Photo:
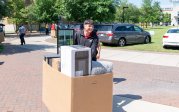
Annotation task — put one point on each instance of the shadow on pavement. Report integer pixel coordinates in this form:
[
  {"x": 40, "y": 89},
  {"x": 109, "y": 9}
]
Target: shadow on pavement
[
  {"x": 120, "y": 101},
  {"x": 1, "y": 63},
  {"x": 118, "y": 80},
  {"x": 172, "y": 47},
  {"x": 134, "y": 44},
  {"x": 27, "y": 35},
  {"x": 15, "y": 49}
]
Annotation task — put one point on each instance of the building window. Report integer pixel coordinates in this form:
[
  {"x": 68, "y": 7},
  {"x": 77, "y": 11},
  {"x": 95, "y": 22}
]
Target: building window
[{"x": 178, "y": 14}]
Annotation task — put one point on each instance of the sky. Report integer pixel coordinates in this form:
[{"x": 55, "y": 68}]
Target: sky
[{"x": 163, "y": 3}]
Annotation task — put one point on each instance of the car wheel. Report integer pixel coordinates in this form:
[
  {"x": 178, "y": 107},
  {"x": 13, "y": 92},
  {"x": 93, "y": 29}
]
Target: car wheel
[
  {"x": 122, "y": 42},
  {"x": 147, "y": 40}
]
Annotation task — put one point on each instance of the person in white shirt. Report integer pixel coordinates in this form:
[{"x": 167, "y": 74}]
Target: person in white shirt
[{"x": 22, "y": 31}]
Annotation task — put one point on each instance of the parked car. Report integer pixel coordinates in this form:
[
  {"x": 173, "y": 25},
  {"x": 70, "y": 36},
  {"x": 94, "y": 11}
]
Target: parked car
[
  {"x": 122, "y": 34},
  {"x": 171, "y": 38},
  {"x": 77, "y": 27}
]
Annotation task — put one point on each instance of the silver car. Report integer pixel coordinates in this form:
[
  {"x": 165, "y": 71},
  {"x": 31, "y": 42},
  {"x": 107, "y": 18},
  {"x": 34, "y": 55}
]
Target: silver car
[{"x": 122, "y": 34}]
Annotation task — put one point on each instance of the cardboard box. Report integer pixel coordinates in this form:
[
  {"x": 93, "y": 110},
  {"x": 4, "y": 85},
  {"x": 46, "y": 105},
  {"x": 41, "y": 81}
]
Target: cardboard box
[
  {"x": 62, "y": 93},
  {"x": 56, "y": 63}
]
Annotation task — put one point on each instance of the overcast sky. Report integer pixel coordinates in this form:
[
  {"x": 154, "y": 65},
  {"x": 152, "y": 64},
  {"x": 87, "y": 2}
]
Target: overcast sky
[{"x": 163, "y": 3}]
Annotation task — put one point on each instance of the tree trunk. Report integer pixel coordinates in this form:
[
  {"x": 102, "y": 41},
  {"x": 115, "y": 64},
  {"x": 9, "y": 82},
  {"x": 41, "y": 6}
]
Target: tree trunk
[
  {"x": 30, "y": 25},
  {"x": 39, "y": 28},
  {"x": 146, "y": 24}
]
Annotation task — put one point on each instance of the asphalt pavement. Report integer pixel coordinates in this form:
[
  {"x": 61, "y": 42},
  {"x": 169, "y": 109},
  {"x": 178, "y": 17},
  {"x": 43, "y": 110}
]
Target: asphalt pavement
[
  {"x": 138, "y": 83},
  {"x": 163, "y": 59}
]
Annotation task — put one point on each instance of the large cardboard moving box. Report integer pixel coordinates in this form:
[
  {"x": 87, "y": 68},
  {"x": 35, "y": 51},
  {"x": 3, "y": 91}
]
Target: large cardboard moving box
[{"x": 62, "y": 93}]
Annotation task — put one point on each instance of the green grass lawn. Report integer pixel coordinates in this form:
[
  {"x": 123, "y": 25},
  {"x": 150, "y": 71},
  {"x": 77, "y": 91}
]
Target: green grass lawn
[
  {"x": 156, "y": 44},
  {"x": 1, "y": 48}
]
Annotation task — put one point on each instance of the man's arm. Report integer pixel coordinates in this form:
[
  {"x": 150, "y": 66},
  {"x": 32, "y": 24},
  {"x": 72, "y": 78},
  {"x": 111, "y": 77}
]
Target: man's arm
[
  {"x": 75, "y": 40},
  {"x": 99, "y": 50},
  {"x": 94, "y": 48}
]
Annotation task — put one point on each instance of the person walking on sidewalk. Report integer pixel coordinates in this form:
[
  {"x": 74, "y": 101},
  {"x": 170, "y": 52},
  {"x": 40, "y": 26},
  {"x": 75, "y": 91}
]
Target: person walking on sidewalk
[
  {"x": 89, "y": 38},
  {"x": 53, "y": 33},
  {"x": 47, "y": 29},
  {"x": 22, "y": 31}
]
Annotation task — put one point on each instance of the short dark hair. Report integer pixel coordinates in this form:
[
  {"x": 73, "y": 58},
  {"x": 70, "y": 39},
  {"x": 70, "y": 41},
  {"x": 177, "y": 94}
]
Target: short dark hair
[{"x": 88, "y": 21}]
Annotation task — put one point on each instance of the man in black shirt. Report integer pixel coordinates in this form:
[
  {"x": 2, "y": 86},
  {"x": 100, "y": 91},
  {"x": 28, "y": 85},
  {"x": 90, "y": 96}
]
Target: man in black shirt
[{"x": 88, "y": 37}]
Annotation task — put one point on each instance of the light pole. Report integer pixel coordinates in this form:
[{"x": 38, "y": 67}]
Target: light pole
[
  {"x": 123, "y": 13},
  {"x": 58, "y": 38}
]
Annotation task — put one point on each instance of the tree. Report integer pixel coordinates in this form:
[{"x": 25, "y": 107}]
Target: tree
[
  {"x": 119, "y": 9},
  {"x": 157, "y": 13},
  {"x": 98, "y": 10},
  {"x": 45, "y": 10},
  {"x": 166, "y": 18},
  {"x": 150, "y": 12},
  {"x": 28, "y": 13},
  {"x": 147, "y": 11},
  {"x": 16, "y": 7},
  {"x": 131, "y": 13},
  {"x": 3, "y": 8}
]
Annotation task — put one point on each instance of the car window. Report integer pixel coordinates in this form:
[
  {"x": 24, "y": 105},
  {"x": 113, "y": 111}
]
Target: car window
[
  {"x": 121, "y": 28},
  {"x": 129, "y": 28},
  {"x": 76, "y": 27},
  {"x": 173, "y": 31},
  {"x": 103, "y": 27},
  {"x": 80, "y": 26},
  {"x": 137, "y": 29}
]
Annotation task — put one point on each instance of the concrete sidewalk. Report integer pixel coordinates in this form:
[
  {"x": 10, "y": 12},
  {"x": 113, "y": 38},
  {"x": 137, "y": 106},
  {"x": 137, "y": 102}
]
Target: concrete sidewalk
[
  {"x": 123, "y": 104},
  {"x": 120, "y": 104},
  {"x": 163, "y": 59}
]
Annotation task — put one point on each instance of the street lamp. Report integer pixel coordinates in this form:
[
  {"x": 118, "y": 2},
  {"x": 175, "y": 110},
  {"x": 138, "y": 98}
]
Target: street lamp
[
  {"x": 123, "y": 13},
  {"x": 58, "y": 27}
]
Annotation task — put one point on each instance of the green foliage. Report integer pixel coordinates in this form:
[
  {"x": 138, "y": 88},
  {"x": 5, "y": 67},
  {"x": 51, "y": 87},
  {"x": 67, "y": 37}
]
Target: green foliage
[
  {"x": 16, "y": 7},
  {"x": 98, "y": 10},
  {"x": 131, "y": 14},
  {"x": 28, "y": 14},
  {"x": 3, "y": 8},
  {"x": 166, "y": 18},
  {"x": 48, "y": 11},
  {"x": 119, "y": 5},
  {"x": 157, "y": 13},
  {"x": 60, "y": 8},
  {"x": 146, "y": 11},
  {"x": 45, "y": 10},
  {"x": 151, "y": 12}
]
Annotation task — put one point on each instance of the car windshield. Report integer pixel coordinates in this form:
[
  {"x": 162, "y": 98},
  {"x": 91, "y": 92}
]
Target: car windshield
[
  {"x": 173, "y": 31},
  {"x": 103, "y": 27}
]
